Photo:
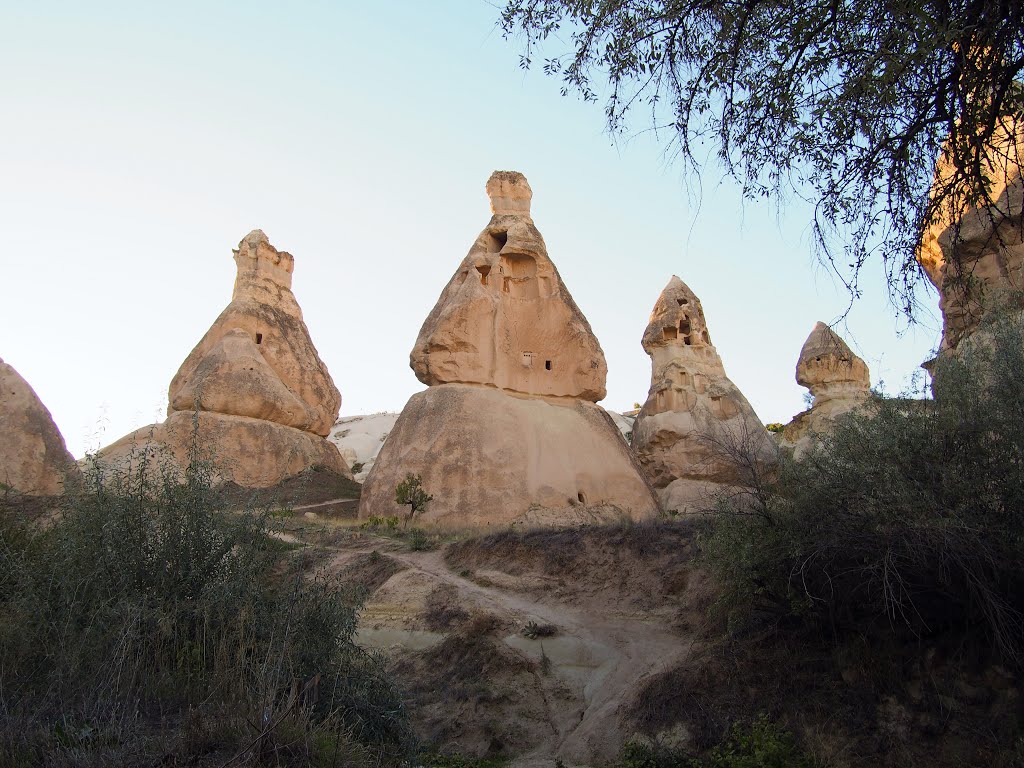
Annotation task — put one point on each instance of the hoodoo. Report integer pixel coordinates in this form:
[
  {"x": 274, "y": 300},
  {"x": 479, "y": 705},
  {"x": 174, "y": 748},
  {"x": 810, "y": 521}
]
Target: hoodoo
[
  {"x": 33, "y": 458},
  {"x": 838, "y": 380},
  {"x": 695, "y": 418},
  {"x": 508, "y": 430},
  {"x": 254, "y": 388}
]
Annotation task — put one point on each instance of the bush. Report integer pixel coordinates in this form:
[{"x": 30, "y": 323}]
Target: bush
[
  {"x": 145, "y": 608},
  {"x": 910, "y": 514},
  {"x": 763, "y": 745}
]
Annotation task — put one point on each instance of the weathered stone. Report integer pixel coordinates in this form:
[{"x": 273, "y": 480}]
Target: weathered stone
[
  {"x": 975, "y": 257},
  {"x": 507, "y": 432},
  {"x": 258, "y": 359},
  {"x": 838, "y": 380},
  {"x": 252, "y": 453},
  {"x": 493, "y": 459},
  {"x": 33, "y": 457},
  {"x": 695, "y": 418},
  {"x": 505, "y": 319},
  {"x": 253, "y": 390}
]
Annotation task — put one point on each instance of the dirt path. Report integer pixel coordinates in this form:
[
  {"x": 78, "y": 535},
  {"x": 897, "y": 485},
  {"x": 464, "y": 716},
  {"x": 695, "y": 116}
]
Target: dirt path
[{"x": 601, "y": 658}]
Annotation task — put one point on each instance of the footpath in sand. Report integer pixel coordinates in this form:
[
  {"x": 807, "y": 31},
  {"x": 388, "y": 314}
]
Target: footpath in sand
[{"x": 533, "y": 645}]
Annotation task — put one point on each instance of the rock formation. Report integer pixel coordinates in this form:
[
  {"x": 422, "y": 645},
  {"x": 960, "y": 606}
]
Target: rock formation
[
  {"x": 508, "y": 430},
  {"x": 694, "y": 416},
  {"x": 254, "y": 386},
  {"x": 33, "y": 457},
  {"x": 975, "y": 257},
  {"x": 838, "y": 380}
]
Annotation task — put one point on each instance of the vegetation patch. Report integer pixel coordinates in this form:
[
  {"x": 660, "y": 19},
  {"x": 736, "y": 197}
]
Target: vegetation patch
[{"x": 146, "y": 622}]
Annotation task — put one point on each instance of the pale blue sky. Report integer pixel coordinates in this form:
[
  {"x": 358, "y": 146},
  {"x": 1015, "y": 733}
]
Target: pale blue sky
[{"x": 142, "y": 141}]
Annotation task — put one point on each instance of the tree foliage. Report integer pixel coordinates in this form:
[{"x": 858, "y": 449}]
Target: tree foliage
[{"x": 846, "y": 103}]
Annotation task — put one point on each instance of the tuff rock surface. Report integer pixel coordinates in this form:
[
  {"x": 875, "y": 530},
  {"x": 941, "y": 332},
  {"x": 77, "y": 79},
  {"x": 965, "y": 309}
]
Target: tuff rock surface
[
  {"x": 33, "y": 457},
  {"x": 254, "y": 386},
  {"x": 505, "y": 319},
  {"x": 695, "y": 417},
  {"x": 974, "y": 255},
  {"x": 507, "y": 431},
  {"x": 839, "y": 381}
]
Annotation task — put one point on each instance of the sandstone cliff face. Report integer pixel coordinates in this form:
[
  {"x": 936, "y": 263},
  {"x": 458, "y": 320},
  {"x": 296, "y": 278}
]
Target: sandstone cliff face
[
  {"x": 507, "y": 432},
  {"x": 693, "y": 411},
  {"x": 839, "y": 381},
  {"x": 254, "y": 387},
  {"x": 975, "y": 257},
  {"x": 505, "y": 319},
  {"x": 33, "y": 457}
]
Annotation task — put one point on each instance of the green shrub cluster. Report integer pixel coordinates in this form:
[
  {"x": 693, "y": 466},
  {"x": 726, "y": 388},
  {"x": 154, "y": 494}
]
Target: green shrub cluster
[
  {"x": 910, "y": 513},
  {"x": 764, "y": 744},
  {"x": 146, "y": 620}
]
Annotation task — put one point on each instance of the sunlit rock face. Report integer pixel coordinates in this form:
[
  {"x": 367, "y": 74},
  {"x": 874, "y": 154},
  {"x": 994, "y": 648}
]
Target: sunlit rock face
[
  {"x": 505, "y": 319},
  {"x": 695, "y": 419},
  {"x": 33, "y": 457},
  {"x": 975, "y": 256},
  {"x": 507, "y": 431},
  {"x": 254, "y": 389},
  {"x": 838, "y": 380}
]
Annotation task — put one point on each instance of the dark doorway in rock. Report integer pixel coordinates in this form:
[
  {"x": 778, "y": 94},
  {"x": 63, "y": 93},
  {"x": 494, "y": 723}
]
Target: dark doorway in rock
[
  {"x": 582, "y": 497},
  {"x": 547, "y": 365},
  {"x": 259, "y": 338}
]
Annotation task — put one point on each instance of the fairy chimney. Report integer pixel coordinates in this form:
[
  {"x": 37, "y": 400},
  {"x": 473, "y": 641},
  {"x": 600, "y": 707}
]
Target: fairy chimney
[
  {"x": 838, "y": 380},
  {"x": 695, "y": 418},
  {"x": 254, "y": 385},
  {"x": 507, "y": 431}
]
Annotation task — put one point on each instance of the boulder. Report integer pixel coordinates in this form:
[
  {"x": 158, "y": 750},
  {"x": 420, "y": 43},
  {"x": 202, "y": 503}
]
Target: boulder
[
  {"x": 695, "y": 421},
  {"x": 839, "y": 381},
  {"x": 33, "y": 458},
  {"x": 493, "y": 459},
  {"x": 253, "y": 395},
  {"x": 507, "y": 431}
]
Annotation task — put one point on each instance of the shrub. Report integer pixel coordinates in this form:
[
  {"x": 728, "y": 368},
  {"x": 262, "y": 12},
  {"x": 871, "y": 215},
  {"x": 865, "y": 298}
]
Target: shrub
[
  {"x": 764, "y": 744},
  {"x": 410, "y": 491},
  {"x": 146, "y": 606},
  {"x": 910, "y": 513}
]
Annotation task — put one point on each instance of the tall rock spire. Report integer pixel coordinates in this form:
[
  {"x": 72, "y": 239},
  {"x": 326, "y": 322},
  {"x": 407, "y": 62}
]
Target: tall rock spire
[
  {"x": 694, "y": 415},
  {"x": 508, "y": 431},
  {"x": 254, "y": 386}
]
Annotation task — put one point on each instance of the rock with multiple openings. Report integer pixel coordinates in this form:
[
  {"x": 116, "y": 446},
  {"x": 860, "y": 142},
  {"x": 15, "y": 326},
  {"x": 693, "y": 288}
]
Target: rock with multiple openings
[
  {"x": 254, "y": 390},
  {"x": 695, "y": 424},
  {"x": 508, "y": 430},
  {"x": 33, "y": 458},
  {"x": 974, "y": 255},
  {"x": 838, "y": 380}
]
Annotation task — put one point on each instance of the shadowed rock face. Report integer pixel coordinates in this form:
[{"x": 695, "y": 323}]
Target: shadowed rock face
[
  {"x": 33, "y": 457},
  {"x": 975, "y": 257},
  {"x": 839, "y": 381},
  {"x": 505, "y": 319},
  {"x": 254, "y": 387},
  {"x": 694, "y": 415},
  {"x": 507, "y": 432}
]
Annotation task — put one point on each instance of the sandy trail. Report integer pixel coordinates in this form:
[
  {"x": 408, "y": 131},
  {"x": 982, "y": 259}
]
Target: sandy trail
[{"x": 602, "y": 658}]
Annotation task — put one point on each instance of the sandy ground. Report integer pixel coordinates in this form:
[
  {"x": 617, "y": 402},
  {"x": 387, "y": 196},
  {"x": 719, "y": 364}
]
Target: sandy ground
[{"x": 536, "y": 651}]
